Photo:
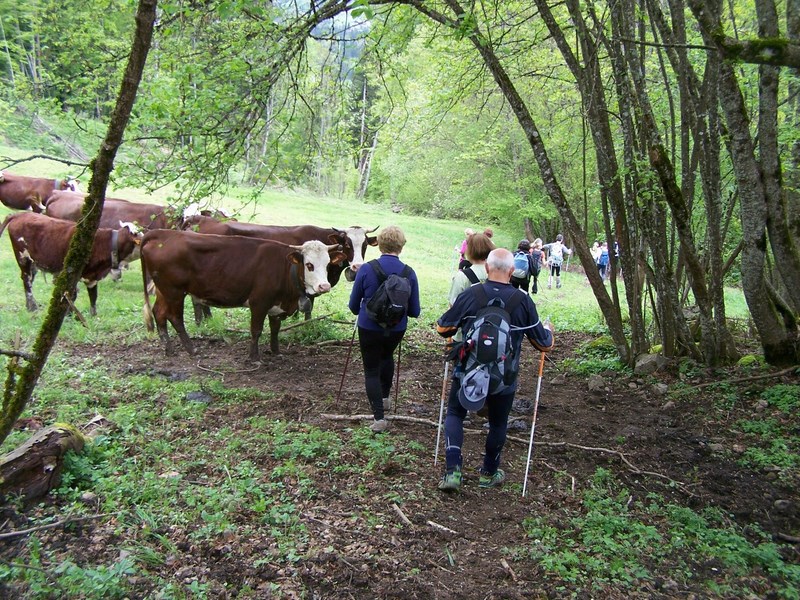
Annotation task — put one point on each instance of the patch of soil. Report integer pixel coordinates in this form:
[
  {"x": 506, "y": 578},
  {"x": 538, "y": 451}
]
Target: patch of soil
[{"x": 455, "y": 546}]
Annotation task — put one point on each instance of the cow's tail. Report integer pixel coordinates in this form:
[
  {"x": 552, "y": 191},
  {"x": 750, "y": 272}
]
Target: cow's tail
[
  {"x": 5, "y": 223},
  {"x": 147, "y": 311}
]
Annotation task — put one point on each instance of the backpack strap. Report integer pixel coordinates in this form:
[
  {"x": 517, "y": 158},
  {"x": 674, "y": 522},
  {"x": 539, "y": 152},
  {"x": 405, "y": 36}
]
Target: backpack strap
[
  {"x": 470, "y": 274},
  {"x": 480, "y": 295},
  {"x": 515, "y": 300},
  {"x": 376, "y": 266}
]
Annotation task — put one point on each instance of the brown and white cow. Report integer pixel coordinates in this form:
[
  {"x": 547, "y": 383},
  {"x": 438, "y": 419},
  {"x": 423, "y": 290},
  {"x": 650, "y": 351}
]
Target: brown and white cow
[
  {"x": 21, "y": 192},
  {"x": 229, "y": 271},
  {"x": 354, "y": 242},
  {"x": 69, "y": 205},
  {"x": 41, "y": 242}
]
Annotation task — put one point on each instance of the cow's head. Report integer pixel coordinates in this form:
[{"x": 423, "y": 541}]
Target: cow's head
[
  {"x": 72, "y": 184},
  {"x": 360, "y": 239},
  {"x": 314, "y": 257}
]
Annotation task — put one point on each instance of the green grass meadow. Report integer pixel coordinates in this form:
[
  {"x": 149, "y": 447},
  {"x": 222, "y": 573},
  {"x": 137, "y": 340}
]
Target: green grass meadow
[{"x": 430, "y": 250}]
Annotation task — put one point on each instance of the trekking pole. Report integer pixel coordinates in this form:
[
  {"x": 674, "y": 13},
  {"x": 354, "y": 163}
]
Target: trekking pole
[
  {"x": 346, "y": 362},
  {"x": 397, "y": 376},
  {"x": 533, "y": 423},
  {"x": 441, "y": 411}
]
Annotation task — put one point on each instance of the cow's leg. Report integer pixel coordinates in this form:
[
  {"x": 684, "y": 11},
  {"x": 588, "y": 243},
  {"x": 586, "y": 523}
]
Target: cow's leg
[
  {"x": 274, "y": 329},
  {"x": 257, "y": 317},
  {"x": 91, "y": 289},
  {"x": 176, "y": 318},
  {"x": 201, "y": 311},
  {"x": 160, "y": 310},
  {"x": 306, "y": 305},
  {"x": 27, "y": 272}
]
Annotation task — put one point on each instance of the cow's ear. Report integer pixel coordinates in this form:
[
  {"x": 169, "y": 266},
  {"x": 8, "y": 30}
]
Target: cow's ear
[
  {"x": 372, "y": 240},
  {"x": 296, "y": 257},
  {"x": 337, "y": 257},
  {"x": 335, "y": 238}
]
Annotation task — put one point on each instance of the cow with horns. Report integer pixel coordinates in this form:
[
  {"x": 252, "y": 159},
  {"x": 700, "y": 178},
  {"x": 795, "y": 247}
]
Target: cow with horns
[
  {"x": 21, "y": 192},
  {"x": 41, "y": 242},
  {"x": 354, "y": 241},
  {"x": 230, "y": 271}
]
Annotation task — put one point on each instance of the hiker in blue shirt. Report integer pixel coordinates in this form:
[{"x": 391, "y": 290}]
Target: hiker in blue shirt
[
  {"x": 525, "y": 321},
  {"x": 376, "y": 343}
]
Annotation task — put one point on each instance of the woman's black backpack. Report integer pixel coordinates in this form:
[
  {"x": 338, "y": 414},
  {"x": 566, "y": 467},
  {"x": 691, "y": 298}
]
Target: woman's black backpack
[{"x": 389, "y": 304}]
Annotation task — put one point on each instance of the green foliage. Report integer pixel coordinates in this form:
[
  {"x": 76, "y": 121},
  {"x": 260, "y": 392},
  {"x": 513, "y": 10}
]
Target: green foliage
[
  {"x": 595, "y": 356},
  {"x": 616, "y": 539},
  {"x": 773, "y": 440},
  {"x": 46, "y": 576}
]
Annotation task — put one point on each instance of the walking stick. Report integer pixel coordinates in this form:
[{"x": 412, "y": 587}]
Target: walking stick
[
  {"x": 441, "y": 412},
  {"x": 397, "y": 376},
  {"x": 346, "y": 362},
  {"x": 533, "y": 424}
]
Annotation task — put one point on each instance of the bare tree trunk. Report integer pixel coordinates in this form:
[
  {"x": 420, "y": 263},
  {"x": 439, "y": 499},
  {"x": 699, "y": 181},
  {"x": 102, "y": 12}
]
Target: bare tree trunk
[
  {"x": 793, "y": 124},
  {"x": 21, "y": 382},
  {"x": 366, "y": 167},
  {"x": 776, "y": 325}
]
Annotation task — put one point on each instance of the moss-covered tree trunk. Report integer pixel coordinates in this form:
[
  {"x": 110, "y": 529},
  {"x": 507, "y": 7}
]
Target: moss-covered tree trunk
[{"x": 22, "y": 380}]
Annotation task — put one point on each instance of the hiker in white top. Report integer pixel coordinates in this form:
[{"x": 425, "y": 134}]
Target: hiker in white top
[{"x": 556, "y": 251}]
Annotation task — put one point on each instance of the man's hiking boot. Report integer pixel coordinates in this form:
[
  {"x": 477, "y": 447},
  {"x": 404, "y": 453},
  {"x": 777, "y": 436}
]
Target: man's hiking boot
[
  {"x": 451, "y": 482},
  {"x": 379, "y": 425},
  {"x": 489, "y": 481}
]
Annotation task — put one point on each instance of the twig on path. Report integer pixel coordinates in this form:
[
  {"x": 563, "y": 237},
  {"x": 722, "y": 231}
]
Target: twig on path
[
  {"x": 793, "y": 539},
  {"x": 401, "y": 514},
  {"x": 306, "y": 322},
  {"x": 739, "y": 380},
  {"x": 441, "y": 527},
  {"x": 332, "y": 417},
  {"x": 508, "y": 568},
  {"x": 223, "y": 373},
  {"x": 683, "y": 487},
  {"x": 560, "y": 472},
  {"x": 21, "y": 532}
]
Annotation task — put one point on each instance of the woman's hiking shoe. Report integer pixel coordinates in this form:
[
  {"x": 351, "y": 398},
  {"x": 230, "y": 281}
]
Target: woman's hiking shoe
[
  {"x": 451, "y": 482},
  {"x": 489, "y": 481},
  {"x": 379, "y": 425}
]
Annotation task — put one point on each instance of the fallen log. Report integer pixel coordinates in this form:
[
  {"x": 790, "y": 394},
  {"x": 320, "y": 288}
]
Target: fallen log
[{"x": 34, "y": 468}]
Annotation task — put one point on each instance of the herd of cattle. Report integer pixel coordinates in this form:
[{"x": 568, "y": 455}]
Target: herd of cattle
[{"x": 273, "y": 270}]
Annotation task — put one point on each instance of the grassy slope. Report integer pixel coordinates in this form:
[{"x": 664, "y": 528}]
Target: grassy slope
[{"x": 430, "y": 250}]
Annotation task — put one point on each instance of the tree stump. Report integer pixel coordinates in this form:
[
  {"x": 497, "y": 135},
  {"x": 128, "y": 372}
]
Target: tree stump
[{"x": 34, "y": 468}]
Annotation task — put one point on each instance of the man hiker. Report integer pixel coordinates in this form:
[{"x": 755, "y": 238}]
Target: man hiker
[
  {"x": 524, "y": 322},
  {"x": 556, "y": 251}
]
